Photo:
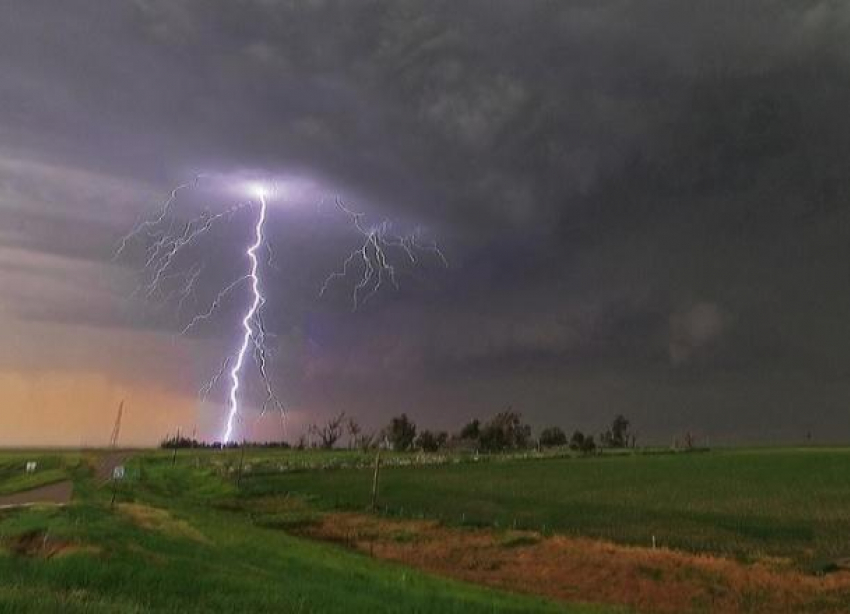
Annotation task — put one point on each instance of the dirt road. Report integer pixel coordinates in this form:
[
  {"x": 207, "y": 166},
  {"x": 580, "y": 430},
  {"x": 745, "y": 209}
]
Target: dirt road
[
  {"x": 60, "y": 493},
  {"x": 57, "y": 494},
  {"x": 107, "y": 462}
]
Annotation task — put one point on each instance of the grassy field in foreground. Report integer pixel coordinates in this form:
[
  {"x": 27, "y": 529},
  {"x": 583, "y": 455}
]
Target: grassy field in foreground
[
  {"x": 170, "y": 545},
  {"x": 189, "y": 536},
  {"x": 791, "y": 503}
]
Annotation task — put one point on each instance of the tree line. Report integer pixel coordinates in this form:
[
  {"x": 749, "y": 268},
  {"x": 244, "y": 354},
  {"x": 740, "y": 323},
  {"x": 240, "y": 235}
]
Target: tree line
[{"x": 502, "y": 432}]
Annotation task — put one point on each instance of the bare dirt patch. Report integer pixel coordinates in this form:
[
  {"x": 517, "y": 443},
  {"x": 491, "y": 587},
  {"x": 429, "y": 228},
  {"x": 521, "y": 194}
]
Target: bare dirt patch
[
  {"x": 40, "y": 544},
  {"x": 578, "y": 569},
  {"x": 58, "y": 493},
  {"x": 161, "y": 521}
]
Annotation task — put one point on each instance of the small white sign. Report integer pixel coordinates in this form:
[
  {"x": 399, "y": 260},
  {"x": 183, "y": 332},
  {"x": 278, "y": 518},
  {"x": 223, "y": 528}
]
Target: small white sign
[
  {"x": 118, "y": 472},
  {"x": 31, "y": 466}
]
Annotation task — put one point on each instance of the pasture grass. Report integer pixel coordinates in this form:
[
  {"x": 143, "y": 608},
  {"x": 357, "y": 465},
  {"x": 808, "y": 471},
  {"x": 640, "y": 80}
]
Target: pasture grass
[
  {"x": 745, "y": 503},
  {"x": 187, "y": 534},
  {"x": 176, "y": 540}
]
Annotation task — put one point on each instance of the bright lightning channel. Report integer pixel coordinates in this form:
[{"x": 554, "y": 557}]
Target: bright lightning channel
[
  {"x": 171, "y": 280},
  {"x": 257, "y": 302}
]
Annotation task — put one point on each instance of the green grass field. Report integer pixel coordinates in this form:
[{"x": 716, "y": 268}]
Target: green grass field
[
  {"x": 198, "y": 555},
  {"x": 197, "y": 539},
  {"x": 745, "y": 503}
]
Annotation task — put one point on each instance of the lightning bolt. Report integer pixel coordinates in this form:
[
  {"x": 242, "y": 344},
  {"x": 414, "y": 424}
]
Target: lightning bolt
[
  {"x": 170, "y": 282},
  {"x": 172, "y": 277},
  {"x": 256, "y": 302}
]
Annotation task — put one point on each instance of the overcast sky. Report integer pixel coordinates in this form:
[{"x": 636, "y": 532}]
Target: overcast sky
[{"x": 644, "y": 205}]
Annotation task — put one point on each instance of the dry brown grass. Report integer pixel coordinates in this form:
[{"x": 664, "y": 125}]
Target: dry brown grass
[
  {"x": 577, "y": 569},
  {"x": 39, "y": 544},
  {"x": 159, "y": 520}
]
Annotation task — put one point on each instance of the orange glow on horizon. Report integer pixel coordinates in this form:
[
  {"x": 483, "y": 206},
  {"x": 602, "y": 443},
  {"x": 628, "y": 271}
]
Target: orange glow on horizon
[{"x": 78, "y": 409}]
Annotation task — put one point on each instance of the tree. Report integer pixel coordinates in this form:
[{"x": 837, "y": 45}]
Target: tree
[
  {"x": 588, "y": 445},
  {"x": 442, "y": 439},
  {"x": 179, "y": 441},
  {"x": 577, "y": 440},
  {"x": 431, "y": 442},
  {"x": 471, "y": 430},
  {"x": 330, "y": 432},
  {"x": 505, "y": 431},
  {"x": 401, "y": 432},
  {"x": 582, "y": 443},
  {"x": 618, "y": 435},
  {"x": 552, "y": 436},
  {"x": 365, "y": 441},
  {"x": 353, "y": 432}
]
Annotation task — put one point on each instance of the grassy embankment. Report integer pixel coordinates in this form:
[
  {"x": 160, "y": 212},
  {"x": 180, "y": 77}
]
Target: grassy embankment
[{"x": 178, "y": 541}]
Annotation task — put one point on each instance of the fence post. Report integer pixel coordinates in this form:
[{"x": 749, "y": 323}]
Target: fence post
[
  {"x": 375, "y": 480},
  {"x": 176, "y": 442},
  {"x": 241, "y": 460}
]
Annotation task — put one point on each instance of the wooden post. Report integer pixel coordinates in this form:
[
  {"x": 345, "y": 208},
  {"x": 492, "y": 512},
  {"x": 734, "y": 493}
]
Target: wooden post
[
  {"x": 375, "y": 480},
  {"x": 114, "y": 489},
  {"x": 174, "y": 454},
  {"x": 241, "y": 461}
]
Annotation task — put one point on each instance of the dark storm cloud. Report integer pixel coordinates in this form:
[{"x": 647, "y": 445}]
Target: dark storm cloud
[{"x": 641, "y": 201}]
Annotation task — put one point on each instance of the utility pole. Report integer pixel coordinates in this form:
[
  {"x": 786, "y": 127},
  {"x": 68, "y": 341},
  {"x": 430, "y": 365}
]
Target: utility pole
[{"x": 116, "y": 430}]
